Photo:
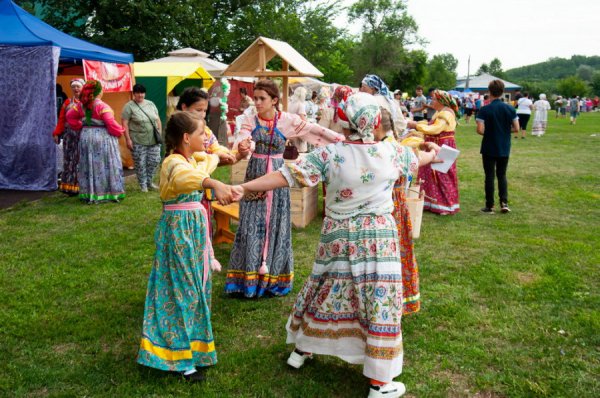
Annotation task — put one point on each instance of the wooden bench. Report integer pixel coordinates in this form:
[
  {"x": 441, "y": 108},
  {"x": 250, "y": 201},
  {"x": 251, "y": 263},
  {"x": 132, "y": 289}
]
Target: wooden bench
[{"x": 223, "y": 216}]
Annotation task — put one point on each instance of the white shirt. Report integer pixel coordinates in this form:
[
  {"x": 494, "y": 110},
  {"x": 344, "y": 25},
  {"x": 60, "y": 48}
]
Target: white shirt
[{"x": 524, "y": 106}]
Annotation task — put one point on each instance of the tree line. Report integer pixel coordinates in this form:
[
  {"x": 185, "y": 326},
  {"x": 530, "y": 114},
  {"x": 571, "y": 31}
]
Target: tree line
[{"x": 224, "y": 28}]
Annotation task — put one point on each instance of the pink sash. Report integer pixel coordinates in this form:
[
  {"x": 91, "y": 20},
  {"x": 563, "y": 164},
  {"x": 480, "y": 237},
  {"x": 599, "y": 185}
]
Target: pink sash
[
  {"x": 209, "y": 255},
  {"x": 269, "y": 202}
]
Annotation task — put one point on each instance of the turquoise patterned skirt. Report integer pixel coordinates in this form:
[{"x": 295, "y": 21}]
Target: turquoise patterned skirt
[{"x": 177, "y": 332}]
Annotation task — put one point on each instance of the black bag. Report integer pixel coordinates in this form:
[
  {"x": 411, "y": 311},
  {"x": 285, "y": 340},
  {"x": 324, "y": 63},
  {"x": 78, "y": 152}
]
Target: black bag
[
  {"x": 155, "y": 132},
  {"x": 290, "y": 152}
]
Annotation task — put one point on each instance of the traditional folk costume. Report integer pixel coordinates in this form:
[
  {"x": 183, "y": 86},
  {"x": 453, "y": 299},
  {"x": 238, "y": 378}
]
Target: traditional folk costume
[
  {"x": 441, "y": 189},
  {"x": 351, "y": 305},
  {"x": 411, "y": 297},
  {"x": 100, "y": 172},
  {"x": 540, "y": 120},
  {"x": 264, "y": 235},
  {"x": 177, "y": 332},
  {"x": 70, "y": 139}
]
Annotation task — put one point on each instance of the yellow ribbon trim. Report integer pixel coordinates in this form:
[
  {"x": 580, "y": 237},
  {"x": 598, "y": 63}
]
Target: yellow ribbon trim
[{"x": 170, "y": 355}]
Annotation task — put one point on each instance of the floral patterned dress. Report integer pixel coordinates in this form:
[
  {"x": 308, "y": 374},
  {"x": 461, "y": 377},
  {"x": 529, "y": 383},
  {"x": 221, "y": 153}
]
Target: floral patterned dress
[
  {"x": 351, "y": 305},
  {"x": 441, "y": 189},
  {"x": 177, "y": 331}
]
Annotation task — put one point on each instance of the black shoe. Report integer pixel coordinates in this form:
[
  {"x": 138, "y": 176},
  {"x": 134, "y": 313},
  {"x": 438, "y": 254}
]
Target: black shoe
[
  {"x": 487, "y": 210},
  {"x": 504, "y": 208},
  {"x": 194, "y": 377}
]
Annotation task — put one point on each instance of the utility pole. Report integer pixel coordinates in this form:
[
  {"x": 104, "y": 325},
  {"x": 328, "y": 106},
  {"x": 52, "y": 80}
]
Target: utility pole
[{"x": 468, "y": 72}]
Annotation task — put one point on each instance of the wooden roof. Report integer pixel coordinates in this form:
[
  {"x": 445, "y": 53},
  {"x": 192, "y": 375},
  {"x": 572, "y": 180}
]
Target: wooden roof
[{"x": 253, "y": 61}]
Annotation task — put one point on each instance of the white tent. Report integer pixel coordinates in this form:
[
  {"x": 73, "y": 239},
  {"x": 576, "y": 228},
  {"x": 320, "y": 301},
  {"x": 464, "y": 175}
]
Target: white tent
[{"x": 212, "y": 66}]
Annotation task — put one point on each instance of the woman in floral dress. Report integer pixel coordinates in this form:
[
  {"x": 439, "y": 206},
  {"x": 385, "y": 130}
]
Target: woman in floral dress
[{"x": 351, "y": 305}]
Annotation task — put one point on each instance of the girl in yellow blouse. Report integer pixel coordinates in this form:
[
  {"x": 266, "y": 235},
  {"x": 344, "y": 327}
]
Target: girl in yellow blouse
[
  {"x": 177, "y": 332},
  {"x": 441, "y": 189}
]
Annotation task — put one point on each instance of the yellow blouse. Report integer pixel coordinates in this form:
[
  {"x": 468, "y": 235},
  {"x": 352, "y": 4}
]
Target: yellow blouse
[
  {"x": 442, "y": 121},
  {"x": 178, "y": 175}
]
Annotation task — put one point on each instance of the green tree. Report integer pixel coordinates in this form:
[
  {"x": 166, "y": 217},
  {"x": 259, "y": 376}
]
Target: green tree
[
  {"x": 571, "y": 86},
  {"x": 412, "y": 73},
  {"x": 596, "y": 83},
  {"x": 585, "y": 72},
  {"x": 441, "y": 71},
  {"x": 221, "y": 28},
  {"x": 387, "y": 30},
  {"x": 484, "y": 68}
]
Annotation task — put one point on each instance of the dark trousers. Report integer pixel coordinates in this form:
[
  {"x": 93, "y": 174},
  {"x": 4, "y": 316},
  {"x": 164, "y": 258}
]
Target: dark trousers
[{"x": 495, "y": 165}]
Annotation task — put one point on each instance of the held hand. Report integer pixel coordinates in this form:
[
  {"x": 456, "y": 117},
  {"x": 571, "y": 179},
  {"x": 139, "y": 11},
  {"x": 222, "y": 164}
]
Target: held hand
[
  {"x": 56, "y": 139},
  {"x": 223, "y": 193},
  {"x": 238, "y": 192},
  {"x": 226, "y": 158},
  {"x": 244, "y": 147}
]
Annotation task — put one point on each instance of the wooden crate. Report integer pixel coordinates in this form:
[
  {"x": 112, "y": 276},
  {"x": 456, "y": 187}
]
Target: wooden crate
[{"x": 304, "y": 200}]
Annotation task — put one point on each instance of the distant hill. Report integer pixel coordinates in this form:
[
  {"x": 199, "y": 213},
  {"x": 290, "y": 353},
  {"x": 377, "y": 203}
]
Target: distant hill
[{"x": 553, "y": 69}]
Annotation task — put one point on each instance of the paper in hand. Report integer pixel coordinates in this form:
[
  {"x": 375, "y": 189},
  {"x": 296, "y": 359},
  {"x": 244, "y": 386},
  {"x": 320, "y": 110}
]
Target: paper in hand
[{"x": 448, "y": 155}]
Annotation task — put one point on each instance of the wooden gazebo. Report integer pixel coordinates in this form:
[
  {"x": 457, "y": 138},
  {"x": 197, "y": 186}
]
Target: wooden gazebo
[{"x": 253, "y": 63}]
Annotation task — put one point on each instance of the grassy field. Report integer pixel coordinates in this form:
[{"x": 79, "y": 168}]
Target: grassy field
[{"x": 511, "y": 303}]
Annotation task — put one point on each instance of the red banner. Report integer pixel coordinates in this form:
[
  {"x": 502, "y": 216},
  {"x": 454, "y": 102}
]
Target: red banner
[{"x": 113, "y": 77}]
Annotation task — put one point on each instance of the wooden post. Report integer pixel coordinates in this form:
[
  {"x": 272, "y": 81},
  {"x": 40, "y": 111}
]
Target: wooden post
[
  {"x": 285, "y": 68},
  {"x": 262, "y": 63}
]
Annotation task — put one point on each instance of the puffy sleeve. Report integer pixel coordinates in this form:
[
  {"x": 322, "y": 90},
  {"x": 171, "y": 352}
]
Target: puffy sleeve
[
  {"x": 406, "y": 161},
  {"x": 245, "y": 130},
  {"x": 292, "y": 126},
  {"x": 442, "y": 122},
  {"x": 106, "y": 114},
  {"x": 60, "y": 126},
  {"x": 212, "y": 144},
  {"x": 74, "y": 116},
  {"x": 308, "y": 170},
  {"x": 178, "y": 176}
]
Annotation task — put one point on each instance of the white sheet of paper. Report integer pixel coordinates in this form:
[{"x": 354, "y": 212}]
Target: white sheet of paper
[{"x": 448, "y": 155}]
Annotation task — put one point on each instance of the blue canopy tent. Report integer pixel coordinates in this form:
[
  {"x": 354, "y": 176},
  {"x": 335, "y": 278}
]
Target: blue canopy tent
[{"x": 29, "y": 54}]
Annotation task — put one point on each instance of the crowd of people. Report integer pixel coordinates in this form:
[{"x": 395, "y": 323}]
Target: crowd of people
[{"x": 365, "y": 147}]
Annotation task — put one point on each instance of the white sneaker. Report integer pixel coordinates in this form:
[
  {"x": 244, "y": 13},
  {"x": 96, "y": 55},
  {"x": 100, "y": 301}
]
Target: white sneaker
[
  {"x": 394, "y": 389},
  {"x": 296, "y": 360}
]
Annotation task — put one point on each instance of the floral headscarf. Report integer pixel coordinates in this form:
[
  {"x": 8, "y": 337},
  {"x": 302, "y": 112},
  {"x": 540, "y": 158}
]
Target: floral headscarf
[
  {"x": 445, "y": 99},
  {"x": 341, "y": 93},
  {"x": 89, "y": 92},
  {"x": 375, "y": 82},
  {"x": 360, "y": 113}
]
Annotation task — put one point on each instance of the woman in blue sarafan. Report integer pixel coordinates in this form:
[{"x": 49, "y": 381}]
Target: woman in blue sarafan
[{"x": 262, "y": 260}]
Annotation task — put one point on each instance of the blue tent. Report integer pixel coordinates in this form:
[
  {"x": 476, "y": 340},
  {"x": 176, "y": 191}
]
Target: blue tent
[
  {"x": 30, "y": 51},
  {"x": 19, "y": 28}
]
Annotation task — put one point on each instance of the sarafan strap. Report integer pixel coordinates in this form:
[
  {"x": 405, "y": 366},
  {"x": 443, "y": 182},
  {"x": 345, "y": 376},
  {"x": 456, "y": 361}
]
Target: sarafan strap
[{"x": 273, "y": 129}]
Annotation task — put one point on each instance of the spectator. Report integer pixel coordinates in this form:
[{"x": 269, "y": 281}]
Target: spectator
[{"x": 494, "y": 123}]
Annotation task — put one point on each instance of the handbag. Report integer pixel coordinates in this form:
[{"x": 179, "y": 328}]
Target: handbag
[
  {"x": 155, "y": 132},
  {"x": 290, "y": 152}
]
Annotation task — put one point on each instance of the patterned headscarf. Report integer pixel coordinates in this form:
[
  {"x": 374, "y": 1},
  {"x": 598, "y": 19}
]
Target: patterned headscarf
[
  {"x": 375, "y": 82},
  {"x": 360, "y": 113},
  {"x": 77, "y": 82},
  {"x": 89, "y": 92},
  {"x": 445, "y": 99},
  {"x": 340, "y": 94}
]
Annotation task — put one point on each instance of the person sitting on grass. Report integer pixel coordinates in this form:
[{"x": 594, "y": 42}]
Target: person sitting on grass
[{"x": 351, "y": 305}]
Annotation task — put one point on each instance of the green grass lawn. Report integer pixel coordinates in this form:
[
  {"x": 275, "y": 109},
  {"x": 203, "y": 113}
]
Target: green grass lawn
[{"x": 511, "y": 304}]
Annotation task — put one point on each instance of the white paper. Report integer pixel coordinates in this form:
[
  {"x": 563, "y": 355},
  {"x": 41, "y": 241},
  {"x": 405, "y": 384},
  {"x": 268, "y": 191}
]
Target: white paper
[{"x": 448, "y": 155}]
